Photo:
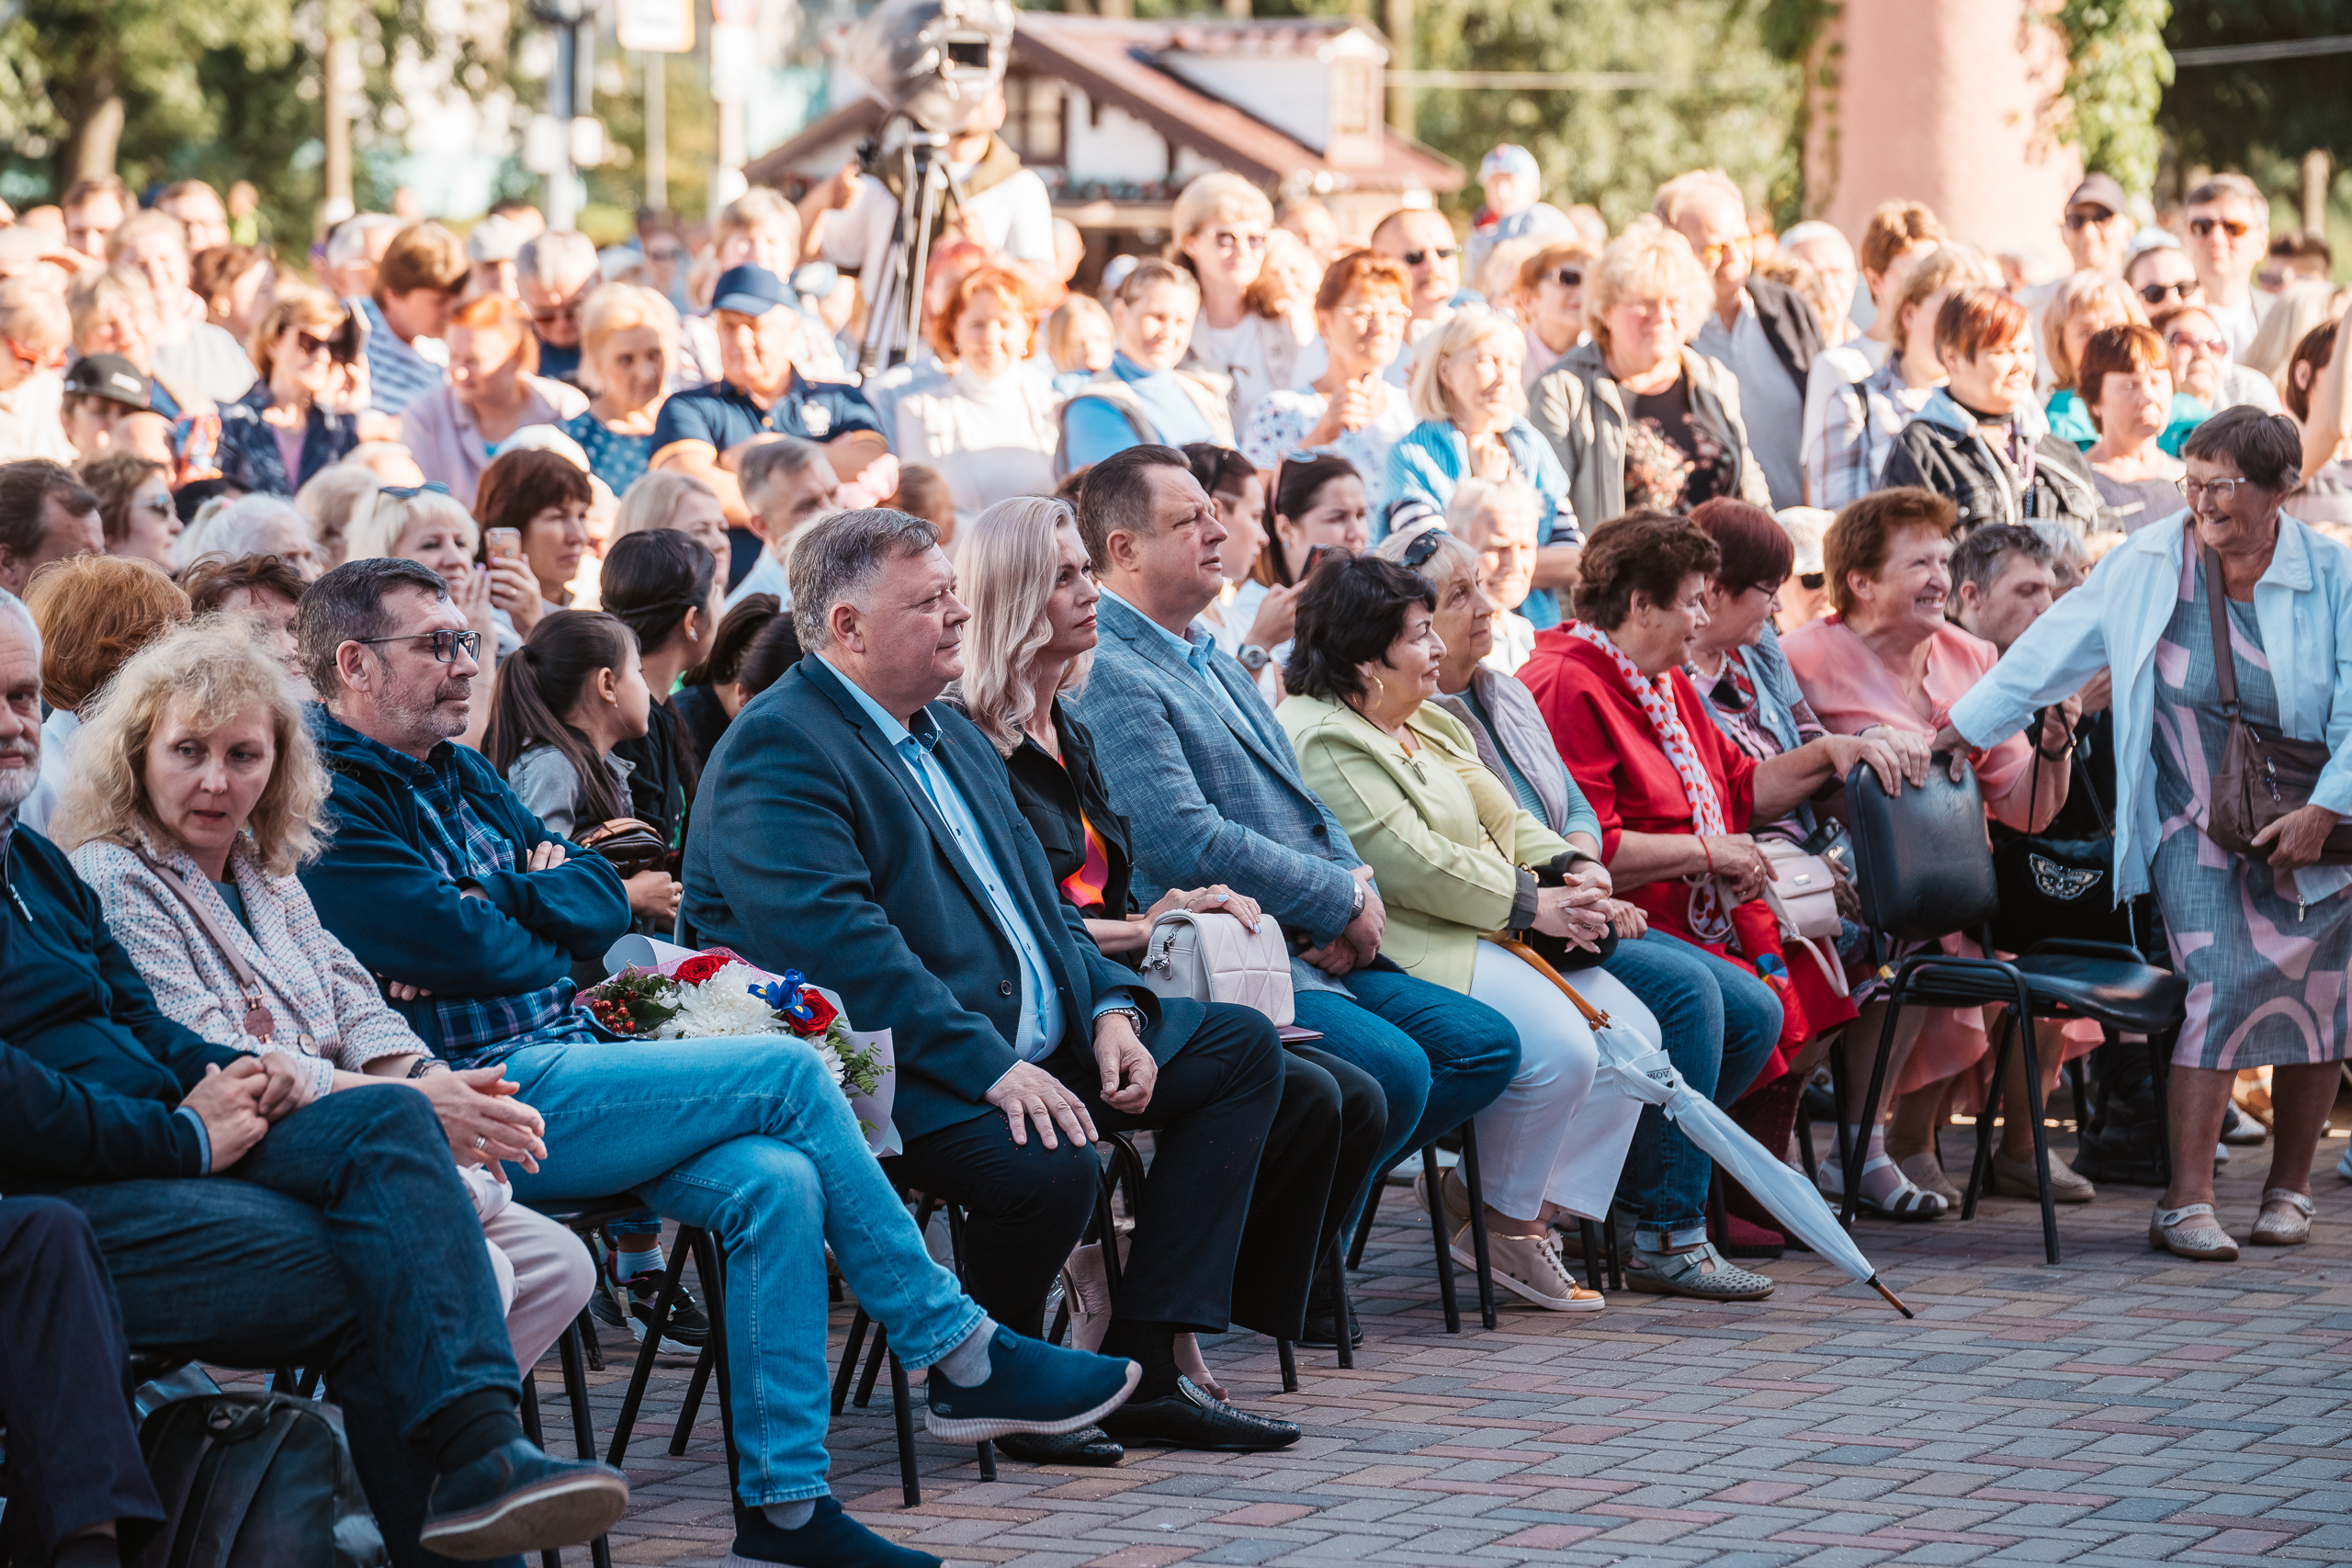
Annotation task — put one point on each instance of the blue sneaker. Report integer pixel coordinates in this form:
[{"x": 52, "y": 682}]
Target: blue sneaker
[
  {"x": 517, "y": 1498},
  {"x": 1032, "y": 1387},
  {"x": 830, "y": 1540}
]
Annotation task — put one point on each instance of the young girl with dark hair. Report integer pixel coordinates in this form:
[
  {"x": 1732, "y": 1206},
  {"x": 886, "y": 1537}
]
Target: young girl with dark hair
[
  {"x": 1317, "y": 500},
  {"x": 660, "y": 585},
  {"x": 713, "y": 692}
]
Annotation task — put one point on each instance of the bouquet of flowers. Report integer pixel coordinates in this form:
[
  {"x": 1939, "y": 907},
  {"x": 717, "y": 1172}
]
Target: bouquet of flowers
[{"x": 715, "y": 993}]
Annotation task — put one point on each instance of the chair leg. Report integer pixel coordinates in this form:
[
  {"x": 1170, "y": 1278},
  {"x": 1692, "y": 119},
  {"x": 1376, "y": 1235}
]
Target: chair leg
[
  {"x": 2159, "y": 1082},
  {"x": 1363, "y": 1226},
  {"x": 1804, "y": 1142},
  {"x": 873, "y": 1359},
  {"x": 573, "y": 1347},
  {"x": 2035, "y": 1114},
  {"x": 1345, "y": 1340},
  {"x": 1437, "y": 1234},
  {"x": 1589, "y": 1234},
  {"x": 850, "y": 1348},
  {"x": 691, "y": 1408},
  {"x": 1288, "y": 1357},
  {"x": 643, "y": 1371},
  {"x": 712, "y": 1269},
  {"x": 586, "y": 1324},
  {"x": 550, "y": 1558},
  {"x": 909, "y": 1482},
  {"x": 1980, "y": 1168},
  {"x": 1616, "y": 1260},
  {"x": 1853, "y": 1158},
  {"x": 1480, "y": 1247}
]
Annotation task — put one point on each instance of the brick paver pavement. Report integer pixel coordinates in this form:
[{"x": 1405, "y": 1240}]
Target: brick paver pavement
[{"x": 2123, "y": 1408}]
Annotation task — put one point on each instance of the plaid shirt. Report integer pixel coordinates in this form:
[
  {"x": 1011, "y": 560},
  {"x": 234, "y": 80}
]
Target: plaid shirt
[
  {"x": 477, "y": 1031},
  {"x": 1858, "y": 431}
]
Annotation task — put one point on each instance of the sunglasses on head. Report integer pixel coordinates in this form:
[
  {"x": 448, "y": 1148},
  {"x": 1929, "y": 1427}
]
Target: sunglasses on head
[
  {"x": 1424, "y": 546},
  {"x": 2234, "y": 228},
  {"x": 410, "y": 492},
  {"x": 1443, "y": 253},
  {"x": 2155, "y": 293}
]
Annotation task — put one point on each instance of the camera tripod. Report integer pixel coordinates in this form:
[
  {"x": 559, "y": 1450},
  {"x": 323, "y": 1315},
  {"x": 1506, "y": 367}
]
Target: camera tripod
[{"x": 927, "y": 190}]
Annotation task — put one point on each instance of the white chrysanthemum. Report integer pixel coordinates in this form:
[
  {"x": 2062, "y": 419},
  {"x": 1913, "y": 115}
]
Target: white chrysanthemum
[
  {"x": 832, "y": 1060},
  {"x": 723, "y": 1005}
]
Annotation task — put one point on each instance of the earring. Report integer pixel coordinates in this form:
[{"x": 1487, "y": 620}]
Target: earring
[{"x": 1380, "y": 685}]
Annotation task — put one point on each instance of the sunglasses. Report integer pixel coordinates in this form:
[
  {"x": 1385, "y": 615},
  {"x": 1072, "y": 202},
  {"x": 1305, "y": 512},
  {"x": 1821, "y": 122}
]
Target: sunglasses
[
  {"x": 312, "y": 346},
  {"x": 551, "y": 314},
  {"x": 1569, "y": 278},
  {"x": 2212, "y": 346},
  {"x": 1424, "y": 546},
  {"x": 1442, "y": 252},
  {"x": 2156, "y": 293},
  {"x": 2233, "y": 228},
  {"x": 446, "y": 643},
  {"x": 1713, "y": 256},
  {"x": 1811, "y": 581},
  {"x": 1234, "y": 240},
  {"x": 2083, "y": 216},
  {"x": 410, "y": 492}
]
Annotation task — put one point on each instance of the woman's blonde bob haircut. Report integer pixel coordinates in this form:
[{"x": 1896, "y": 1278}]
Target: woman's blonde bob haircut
[
  {"x": 1220, "y": 197},
  {"x": 1648, "y": 261},
  {"x": 1004, "y": 570},
  {"x": 380, "y": 523},
  {"x": 2077, "y": 296},
  {"x": 206, "y": 674},
  {"x": 618, "y": 307},
  {"x": 652, "y": 501},
  {"x": 1465, "y": 332}
]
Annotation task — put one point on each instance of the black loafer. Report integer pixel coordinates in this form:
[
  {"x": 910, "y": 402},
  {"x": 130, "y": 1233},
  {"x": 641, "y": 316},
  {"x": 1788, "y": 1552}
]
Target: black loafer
[
  {"x": 518, "y": 1499},
  {"x": 1088, "y": 1445},
  {"x": 1188, "y": 1418}
]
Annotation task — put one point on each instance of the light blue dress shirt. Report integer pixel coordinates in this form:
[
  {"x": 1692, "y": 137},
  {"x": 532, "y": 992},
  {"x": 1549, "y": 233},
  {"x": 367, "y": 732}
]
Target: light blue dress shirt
[
  {"x": 1195, "y": 651},
  {"x": 1040, "y": 1029}
]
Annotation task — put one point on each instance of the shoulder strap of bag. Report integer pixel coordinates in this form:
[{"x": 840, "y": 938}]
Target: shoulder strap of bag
[
  {"x": 247, "y": 981},
  {"x": 2225, "y": 675}
]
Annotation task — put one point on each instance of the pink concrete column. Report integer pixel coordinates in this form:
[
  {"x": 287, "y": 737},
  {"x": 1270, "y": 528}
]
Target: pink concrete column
[{"x": 1947, "y": 102}]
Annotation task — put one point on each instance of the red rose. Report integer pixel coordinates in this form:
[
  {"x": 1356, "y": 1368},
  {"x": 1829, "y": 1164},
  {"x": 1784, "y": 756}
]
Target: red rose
[
  {"x": 701, "y": 966},
  {"x": 821, "y": 1014}
]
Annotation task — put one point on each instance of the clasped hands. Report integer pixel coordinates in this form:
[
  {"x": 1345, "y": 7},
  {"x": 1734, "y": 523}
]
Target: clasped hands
[{"x": 484, "y": 1122}]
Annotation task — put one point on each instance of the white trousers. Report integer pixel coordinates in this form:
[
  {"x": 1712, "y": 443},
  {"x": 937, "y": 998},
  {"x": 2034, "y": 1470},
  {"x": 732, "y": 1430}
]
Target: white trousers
[
  {"x": 1549, "y": 1135},
  {"x": 545, "y": 1276}
]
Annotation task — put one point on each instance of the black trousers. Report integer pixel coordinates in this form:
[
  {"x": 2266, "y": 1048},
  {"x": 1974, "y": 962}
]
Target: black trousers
[
  {"x": 1362, "y": 1127},
  {"x": 343, "y": 1241},
  {"x": 73, "y": 1457},
  {"x": 1212, "y": 1113}
]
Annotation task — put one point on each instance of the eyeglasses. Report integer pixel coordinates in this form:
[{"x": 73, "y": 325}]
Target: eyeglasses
[
  {"x": 1424, "y": 546},
  {"x": 1442, "y": 252},
  {"x": 2156, "y": 293},
  {"x": 410, "y": 492},
  {"x": 1234, "y": 240},
  {"x": 54, "y": 360},
  {"x": 1712, "y": 256},
  {"x": 1569, "y": 278},
  {"x": 2220, "y": 489},
  {"x": 1368, "y": 318},
  {"x": 2083, "y": 216},
  {"x": 2234, "y": 228},
  {"x": 2215, "y": 346},
  {"x": 446, "y": 643}
]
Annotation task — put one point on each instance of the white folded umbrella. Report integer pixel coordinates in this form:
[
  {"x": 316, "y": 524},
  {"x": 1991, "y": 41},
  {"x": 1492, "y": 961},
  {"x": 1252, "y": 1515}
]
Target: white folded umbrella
[{"x": 1631, "y": 1065}]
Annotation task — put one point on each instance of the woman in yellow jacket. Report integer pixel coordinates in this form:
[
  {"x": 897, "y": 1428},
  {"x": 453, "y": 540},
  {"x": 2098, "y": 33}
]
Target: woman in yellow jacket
[{"x": 1455, "y": 859}]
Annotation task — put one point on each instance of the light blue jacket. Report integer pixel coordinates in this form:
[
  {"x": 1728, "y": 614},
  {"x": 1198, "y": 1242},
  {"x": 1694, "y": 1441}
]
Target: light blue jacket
[
  {"x": 1432, "y": 459},
  {"x": 2304, "y": 608}
]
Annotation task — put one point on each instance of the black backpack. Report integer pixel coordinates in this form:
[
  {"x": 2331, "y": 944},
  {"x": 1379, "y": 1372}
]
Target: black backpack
[{"x": 256, "y": 1480}]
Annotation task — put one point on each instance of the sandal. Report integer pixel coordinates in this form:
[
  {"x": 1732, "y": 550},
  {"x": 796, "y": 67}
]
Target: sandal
[
  {"x": 1687, "y": 1274},
  {"x": 2290, "y": 1228},
  {"x": 2191, "y": 1231},
  {"x": 1910, "y": 1202}
]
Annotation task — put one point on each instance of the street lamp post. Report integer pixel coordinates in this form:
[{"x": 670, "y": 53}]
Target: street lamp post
[{"x": 569, "y": 90}]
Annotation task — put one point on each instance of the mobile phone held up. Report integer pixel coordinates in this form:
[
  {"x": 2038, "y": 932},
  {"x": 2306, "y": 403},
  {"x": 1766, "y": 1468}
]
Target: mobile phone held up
[{"x": 504, "y": 543}]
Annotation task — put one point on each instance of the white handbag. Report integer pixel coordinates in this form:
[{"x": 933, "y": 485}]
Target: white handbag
[
  {"x": 1804, "y": 897},
  {"x": 1214, "y": 957}
]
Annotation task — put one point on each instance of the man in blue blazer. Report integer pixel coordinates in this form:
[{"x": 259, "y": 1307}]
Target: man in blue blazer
[{"x": 856, "y": 829}]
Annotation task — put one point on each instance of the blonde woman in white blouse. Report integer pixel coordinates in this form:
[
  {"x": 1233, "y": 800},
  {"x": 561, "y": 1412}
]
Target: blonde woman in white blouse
[
  {"x": 988, "y": 429},
  {"x": 198, "y": 789}
]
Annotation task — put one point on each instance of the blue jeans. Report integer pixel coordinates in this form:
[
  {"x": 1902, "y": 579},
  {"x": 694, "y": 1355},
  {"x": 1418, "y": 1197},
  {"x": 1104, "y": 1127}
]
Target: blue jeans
[
  {"x": 1437, "y": 1055},
  {"x": 748, "y": 1139},
  {"x": 1721, "y": 1023}
]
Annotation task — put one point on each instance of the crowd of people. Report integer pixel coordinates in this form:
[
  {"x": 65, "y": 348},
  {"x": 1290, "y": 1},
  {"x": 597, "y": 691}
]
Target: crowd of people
[{"x": 1451, "y": 629}]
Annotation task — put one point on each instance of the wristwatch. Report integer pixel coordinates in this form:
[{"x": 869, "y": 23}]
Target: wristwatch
[
  {"x": 1133, "y": 1015},
  {"x": 1357, "y": 908},
  {"x": 1253, "y": 658}
]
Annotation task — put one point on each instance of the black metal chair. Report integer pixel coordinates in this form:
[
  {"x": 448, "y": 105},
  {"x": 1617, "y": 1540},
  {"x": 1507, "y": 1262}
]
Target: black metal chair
[
  {"x": 1479, "y": 1246},
  {"x": 1924, "y": 868}
]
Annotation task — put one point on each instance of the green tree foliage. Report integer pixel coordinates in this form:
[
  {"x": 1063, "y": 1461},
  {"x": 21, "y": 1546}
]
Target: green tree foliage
[
  {"x": 2246, "y": 117},
  {"x": 2117, "y": 68}
]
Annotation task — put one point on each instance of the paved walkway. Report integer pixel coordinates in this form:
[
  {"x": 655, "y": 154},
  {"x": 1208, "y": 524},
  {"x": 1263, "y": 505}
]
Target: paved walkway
[{"x": 2122, "y": 1408}]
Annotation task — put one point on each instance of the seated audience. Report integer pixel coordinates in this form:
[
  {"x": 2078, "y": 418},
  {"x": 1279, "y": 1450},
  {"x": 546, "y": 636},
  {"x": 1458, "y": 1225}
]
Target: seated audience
[
  {"x": 389, "y": 461},
  {"x": 671, "y": 500},
  {"x": 429, "y": 527},
  {"x": 261, "y": 591},
  {"x": 135, "y": 508},
  {"x": 195, "y": 799},
  {"x": 544, "y": 497},
  {"x": 416, "y": 283},
  {"x": 1496, "y": 523},
  {"x": 1213, "y": 795},
  {"x": 1080, "y": 341},
  {"x": 2126, "y": 384},
  {"x": 1980, "y": 439},
  {"x": 2084, "y": 302},
  {"x": 1888, "y": 659},
  {"x": 242, "y": 1231},
  {"x": 924, "y": 492},
  {"x": 328, "y": 499},
  {"x": 93, "y": 612},
  {"x": 1024, "y": 569},
  {"x": 1473, "y": 427},
  {"x": 1552, "y": 283},
  {"x": 1146, "y": 398},
  {"x": 296, "y": 420},
  {"x": 238, "y": 285},
  {"x": 712, "y": 692},
  {"x": 1349, "y": 411},
  {"x": 188, "y": 348},
  {"x": 988, "y": 428},
  {"x": 46, "y": 515},
  {"x": 1220, "y": 223},
  {"x": 495, "y": 390},
  {"x": 774, "y": 649},
  {"x": 252, "y": 526},
  {"x": 2298, "y": 307},
  {"x": 556, "y": 275},
  {"x": 663, "y": 587},
  {"x": 749, "y": 1140},
  {"x": 105, "y": 407},
  {"x": 1635, "y": 419},
  {"x": 785, "y": 482},
  {"x": 1361, "y": 676},
  {"x": 627, "y": 355},
  {"x": 1861, "y": 419},
  {"x": 759, "y": 392},
  {"x": 917, "y": 885}
]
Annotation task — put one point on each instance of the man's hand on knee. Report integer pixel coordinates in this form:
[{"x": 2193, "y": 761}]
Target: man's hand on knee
[
  {"x": 1128, "y": 1071},
  {"x": 1030, "y": 1094},
  {"x": 229, "y": 1104}
]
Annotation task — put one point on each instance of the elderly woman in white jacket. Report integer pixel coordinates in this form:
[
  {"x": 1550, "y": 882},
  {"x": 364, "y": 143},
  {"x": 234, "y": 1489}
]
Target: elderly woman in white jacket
[
  {"x": 196, "y": 796},
  {"x": 2255, "y": 938}
]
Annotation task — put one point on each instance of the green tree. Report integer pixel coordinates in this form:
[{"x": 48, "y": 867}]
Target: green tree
[{"x": 2252, "y": 115}]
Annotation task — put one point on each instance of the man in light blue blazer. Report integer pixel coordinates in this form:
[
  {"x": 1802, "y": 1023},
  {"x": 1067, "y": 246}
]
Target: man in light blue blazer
[{"x": 1196, "y": 762}]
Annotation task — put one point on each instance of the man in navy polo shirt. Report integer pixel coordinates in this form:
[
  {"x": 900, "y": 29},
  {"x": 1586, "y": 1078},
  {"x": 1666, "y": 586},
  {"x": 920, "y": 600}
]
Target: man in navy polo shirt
[{"x": 759, "y": 393}]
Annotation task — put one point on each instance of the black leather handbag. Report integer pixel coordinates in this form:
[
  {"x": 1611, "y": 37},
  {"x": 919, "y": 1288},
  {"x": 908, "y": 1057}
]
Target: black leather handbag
[
  {"x": 256, "y": 1480},
  {"x": 2055, "y": 885},
  {"x": 1921, "y": 863}
]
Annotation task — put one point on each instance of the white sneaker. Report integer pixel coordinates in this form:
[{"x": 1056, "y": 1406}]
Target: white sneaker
[
  {"x": 2344, "y": 1165},
  {"x": 1529, "y": 1266}
]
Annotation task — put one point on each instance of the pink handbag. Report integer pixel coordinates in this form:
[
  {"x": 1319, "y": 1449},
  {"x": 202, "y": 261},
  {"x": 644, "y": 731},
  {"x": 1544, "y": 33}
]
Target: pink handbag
[
  {"x": 1215, "y": 958},
  {"x": 1804, "y": 896}
]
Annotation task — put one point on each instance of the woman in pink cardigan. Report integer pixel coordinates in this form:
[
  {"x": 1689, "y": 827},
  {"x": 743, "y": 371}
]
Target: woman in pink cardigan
[{"x": 195, "y": 797}]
